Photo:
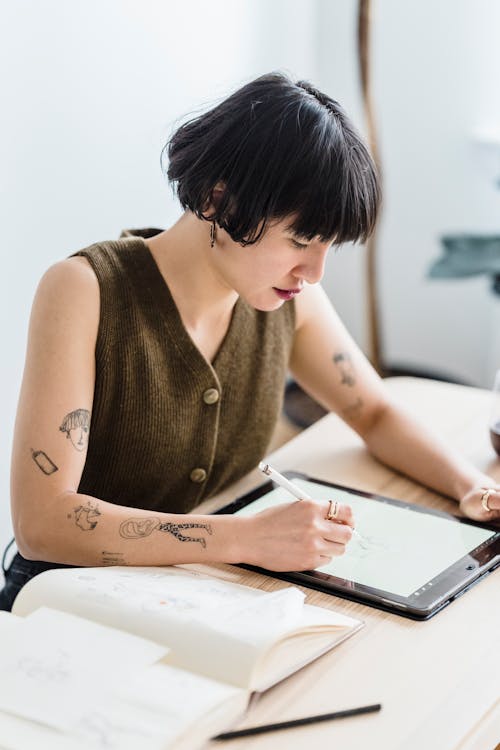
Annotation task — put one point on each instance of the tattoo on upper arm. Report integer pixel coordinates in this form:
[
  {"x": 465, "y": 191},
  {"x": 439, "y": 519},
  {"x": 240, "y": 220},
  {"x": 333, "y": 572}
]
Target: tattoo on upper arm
[
  {"x": 138, "y": 528},
  {"x": 113, "y": 558},
  {"x": 344, "y": 362},
  {"x": 43, "y": 462},
  {"x": 353, "y": 410},
  {"x": 86, "y": 515},
  {"x": 76, "y": 425}
]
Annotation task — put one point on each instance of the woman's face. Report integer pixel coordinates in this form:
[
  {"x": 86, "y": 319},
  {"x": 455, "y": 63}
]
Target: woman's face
[{"x": 273, "y": 270}]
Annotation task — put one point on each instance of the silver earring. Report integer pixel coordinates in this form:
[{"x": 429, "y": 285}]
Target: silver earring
[{"x": 212, "y": 234}]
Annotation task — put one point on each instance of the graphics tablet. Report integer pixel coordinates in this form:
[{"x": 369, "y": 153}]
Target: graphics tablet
[{"x": 412, "y": 560}]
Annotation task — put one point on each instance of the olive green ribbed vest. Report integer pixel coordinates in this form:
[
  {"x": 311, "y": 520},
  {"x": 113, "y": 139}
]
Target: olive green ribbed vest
[{"x": 169, "y": 429}]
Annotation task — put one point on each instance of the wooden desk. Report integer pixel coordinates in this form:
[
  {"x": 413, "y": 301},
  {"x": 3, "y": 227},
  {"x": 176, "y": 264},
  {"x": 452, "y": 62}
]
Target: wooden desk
[{"x": 438, "y": 681}]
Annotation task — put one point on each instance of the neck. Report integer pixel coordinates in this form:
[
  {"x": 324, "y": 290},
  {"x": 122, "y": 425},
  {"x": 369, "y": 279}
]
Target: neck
[{"x": 184, "y": 258}]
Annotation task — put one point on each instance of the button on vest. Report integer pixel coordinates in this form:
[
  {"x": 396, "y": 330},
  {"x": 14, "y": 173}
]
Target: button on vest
[
  {"x": 183, "y": 428},
  {"x": 211, "y": 396},
  {"x": 198, "y": 475}
]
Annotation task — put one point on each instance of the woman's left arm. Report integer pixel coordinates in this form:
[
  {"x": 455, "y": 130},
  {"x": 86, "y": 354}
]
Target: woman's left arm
[{"x": 329, "y": 365}]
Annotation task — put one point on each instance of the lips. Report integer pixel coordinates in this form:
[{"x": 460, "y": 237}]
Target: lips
[{"x": 286, "y": 294}]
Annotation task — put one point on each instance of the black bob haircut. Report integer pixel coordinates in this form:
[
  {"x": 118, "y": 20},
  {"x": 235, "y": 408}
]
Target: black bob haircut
[{"x": 281, "y": 149}]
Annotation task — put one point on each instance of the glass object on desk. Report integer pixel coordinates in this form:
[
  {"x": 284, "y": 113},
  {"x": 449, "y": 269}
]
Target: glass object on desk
[{"x": 495, "y": 415}]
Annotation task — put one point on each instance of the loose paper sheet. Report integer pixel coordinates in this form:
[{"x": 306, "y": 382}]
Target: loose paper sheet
[
  {"x": 55, "y": 666},
  {"x": 149, "y": 712}
]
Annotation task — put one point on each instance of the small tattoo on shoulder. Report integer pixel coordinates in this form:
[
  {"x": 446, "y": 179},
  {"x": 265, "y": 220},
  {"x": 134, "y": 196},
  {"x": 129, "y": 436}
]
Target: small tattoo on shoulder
[
  {"x": 76, "y": 425},
  {"x": 344, "y": 362},
  {"x": 86, "y": 516},
  {"x": 43, "y": 462}
]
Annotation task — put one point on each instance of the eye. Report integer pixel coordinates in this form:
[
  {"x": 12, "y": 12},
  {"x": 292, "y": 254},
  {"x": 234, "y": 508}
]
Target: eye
[{"x": 299, "y": 245}]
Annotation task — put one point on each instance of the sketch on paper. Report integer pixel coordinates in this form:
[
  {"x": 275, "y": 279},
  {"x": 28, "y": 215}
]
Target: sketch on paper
[
  {"x": 43, "y": 671},
  {"x": 105, "y": 733}
]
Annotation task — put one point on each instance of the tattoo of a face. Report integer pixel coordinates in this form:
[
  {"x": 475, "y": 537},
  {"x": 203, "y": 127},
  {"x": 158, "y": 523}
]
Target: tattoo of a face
[
  {"x": 138, "y": 528},
  {"x": 76, "y": 425},
  {"x": 113, "y": 558},
  {"x": 86, "y": 515},
  {"x": 43, "y": 462},
  {"x": 353, "y": 410},
  {"x": 344, "y": 362}
]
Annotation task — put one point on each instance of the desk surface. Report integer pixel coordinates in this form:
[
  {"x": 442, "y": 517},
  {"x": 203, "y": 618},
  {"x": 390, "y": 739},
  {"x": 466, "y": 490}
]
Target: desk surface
[{"x": 438, "y": 681}]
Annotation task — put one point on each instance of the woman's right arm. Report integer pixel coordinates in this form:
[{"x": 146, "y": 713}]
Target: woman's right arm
[
  {"x": 55, "y": 523},
  {"x": 52, "y": 521}
]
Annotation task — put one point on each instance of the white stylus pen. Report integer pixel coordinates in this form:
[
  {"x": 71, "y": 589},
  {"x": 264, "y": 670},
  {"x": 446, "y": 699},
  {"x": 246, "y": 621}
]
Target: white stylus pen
[{"x": 292, "y": 488}]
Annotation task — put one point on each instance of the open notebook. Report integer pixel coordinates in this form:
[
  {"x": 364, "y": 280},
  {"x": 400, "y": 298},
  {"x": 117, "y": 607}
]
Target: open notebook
[{"x": 198, "y": 646}]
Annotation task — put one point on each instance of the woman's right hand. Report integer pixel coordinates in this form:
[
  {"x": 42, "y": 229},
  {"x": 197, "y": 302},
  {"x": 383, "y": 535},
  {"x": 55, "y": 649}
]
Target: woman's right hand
[{"x": 295, "y": 536}]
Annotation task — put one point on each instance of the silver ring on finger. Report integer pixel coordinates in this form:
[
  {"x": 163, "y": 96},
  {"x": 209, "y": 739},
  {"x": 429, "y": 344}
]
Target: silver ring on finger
[
  {"x": 333, "y": 510},
  {"x": 484, "y": 499}
]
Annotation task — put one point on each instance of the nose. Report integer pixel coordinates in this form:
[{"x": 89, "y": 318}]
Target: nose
[{"x": 312, "y": 267}]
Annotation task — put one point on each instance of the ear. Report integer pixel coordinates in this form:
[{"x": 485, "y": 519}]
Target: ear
[
  {"x": 210, "y": 209},
  {"x": 217, "y": 193}
]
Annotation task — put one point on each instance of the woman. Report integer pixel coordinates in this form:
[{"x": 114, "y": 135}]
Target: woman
[{"x": 156, "y": 363}]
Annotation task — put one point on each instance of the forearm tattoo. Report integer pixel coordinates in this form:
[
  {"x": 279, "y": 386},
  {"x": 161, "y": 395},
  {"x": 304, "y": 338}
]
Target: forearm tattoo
[
  {"x": 343, "y": 362},
  {"x": 76, "y": 425},
  {"x": 113, "y": 558},
  {"x": 43, "y": 462},
  {"x": 86, "y": 516},
  {"x": 137, "y": 528}
]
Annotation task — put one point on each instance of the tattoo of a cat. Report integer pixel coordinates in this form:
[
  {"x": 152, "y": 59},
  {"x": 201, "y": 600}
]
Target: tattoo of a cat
[{"x": 86, "y": 515}]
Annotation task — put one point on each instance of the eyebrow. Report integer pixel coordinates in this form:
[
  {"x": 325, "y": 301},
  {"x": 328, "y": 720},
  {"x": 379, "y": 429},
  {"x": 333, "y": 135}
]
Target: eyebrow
[
  {"x": 299, "y": 237},
  {"x": 291, "y": 230}
]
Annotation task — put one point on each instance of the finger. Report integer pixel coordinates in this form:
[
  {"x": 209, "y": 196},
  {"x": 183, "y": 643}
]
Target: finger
[
  {"x": 343, "y": 514},
  {"x": 493, "y": 502},
  {"x": 334, "y": 550},
  {"x": 337, "y": 533},
  {"x": 324, "y": 560}
]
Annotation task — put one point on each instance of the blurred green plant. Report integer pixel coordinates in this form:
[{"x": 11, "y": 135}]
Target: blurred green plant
[{"x": 468, "y": 255}]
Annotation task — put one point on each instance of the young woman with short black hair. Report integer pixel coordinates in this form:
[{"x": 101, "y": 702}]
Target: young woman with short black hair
[{"x": 172, "y": 348}]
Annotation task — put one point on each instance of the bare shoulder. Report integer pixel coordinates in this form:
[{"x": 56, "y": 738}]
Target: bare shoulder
[
  {"x": 68, "y": 294},
  {"x": 67, "y": 278},
  {"x": 74, "y": 274}
]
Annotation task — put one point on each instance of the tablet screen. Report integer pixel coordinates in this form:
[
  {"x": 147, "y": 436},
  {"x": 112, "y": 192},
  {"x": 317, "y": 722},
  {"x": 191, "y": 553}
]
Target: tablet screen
[{"x": 401, "y": 549}]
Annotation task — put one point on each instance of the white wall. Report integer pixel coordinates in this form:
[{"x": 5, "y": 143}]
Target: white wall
[
  {"x": 338, "y": 76},
  {"x": 90, "y": 92},
  {"x": 437, "y": 68}
]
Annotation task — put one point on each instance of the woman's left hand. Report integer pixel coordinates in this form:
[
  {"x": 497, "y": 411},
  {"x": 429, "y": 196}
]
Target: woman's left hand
[{"x": 471, "y": 504}]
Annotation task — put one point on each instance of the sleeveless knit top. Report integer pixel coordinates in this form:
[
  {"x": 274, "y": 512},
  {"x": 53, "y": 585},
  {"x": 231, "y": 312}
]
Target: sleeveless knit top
[{"x": 168, "y": 428}]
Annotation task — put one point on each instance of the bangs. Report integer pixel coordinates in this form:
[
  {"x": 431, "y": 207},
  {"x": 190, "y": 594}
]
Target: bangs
[{"x": 334, "y": 201}]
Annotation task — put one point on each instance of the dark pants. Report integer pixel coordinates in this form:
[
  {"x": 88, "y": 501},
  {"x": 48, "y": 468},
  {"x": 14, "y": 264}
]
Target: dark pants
[{"x": 20, "y": 572}]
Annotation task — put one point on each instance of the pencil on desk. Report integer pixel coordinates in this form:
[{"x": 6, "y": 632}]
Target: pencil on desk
[{"x": 298, "y": 722}]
